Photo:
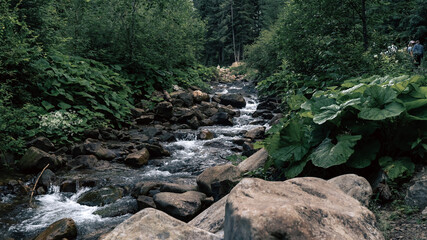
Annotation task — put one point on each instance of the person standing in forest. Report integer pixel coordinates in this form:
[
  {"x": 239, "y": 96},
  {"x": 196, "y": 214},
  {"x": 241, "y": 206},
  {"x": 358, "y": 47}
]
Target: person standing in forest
[
  {"x": 410, "y": 46},
  {"x": 418, "y": 53}
]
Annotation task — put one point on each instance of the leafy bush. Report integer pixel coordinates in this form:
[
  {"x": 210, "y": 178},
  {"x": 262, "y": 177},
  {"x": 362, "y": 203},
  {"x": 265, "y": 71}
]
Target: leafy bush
[
  {"x": 82, "y": 85},
  {"x": 378, "y": 121}
]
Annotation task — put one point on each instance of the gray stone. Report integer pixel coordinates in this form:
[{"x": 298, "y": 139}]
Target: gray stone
[
  {"x": 47, "y": 179},
  {"x": 105, "y": 154},
  {"x": 200, "y": 96},
  {"x": 34, "y": 160},
  {"x": 205, "y": 134},
  {"x": 156, "y": 225},
  {"x": 138, "y": 159},
  {"x": 254, "y": 162},
  {"x": 41, "y": 143},
  {"x": 101, "y": 197},
  {"x": 177, "y": 188},
  {"x": 164, "y": 110},
  {"x": 235, "y": 100},
  {"x": 354, "y": 186},
  {"x": 211, "y": 219},
  {"x": 417, "y": 192},
  {"x": 255, "y": 133},
  {"x": 145, "y": 202},
  {"x": 59, "y": 230},
  {"x": 183, "y": 206},
  {"x": 121, "y": 207},
  {"x": 222, "y": 118},
  {"x": 299, "y": 208},
  {"x": 219, "y": 180}
]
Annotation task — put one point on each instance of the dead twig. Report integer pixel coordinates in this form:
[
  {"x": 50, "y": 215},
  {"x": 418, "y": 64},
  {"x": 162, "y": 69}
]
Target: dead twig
[{"x": 35, "y": 185}]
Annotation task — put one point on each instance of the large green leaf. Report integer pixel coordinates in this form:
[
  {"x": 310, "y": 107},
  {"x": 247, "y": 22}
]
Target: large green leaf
[
  {"x": 401, "y": 167},
  {"x": 295, "y": 169},
  {"x": 328, "y": 154},
  {"x": 332, "y": 111},
  {"x": 378, "y": 96},
  {"x": 364, "y": 154},
  {"x": 390, "y": 110}
]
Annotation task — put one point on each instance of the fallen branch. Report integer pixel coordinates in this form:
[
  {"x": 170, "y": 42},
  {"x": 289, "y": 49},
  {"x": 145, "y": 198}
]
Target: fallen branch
[{"x": 35, "y": 185}]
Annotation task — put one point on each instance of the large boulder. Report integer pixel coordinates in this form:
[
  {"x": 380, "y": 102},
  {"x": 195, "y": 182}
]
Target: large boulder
[
  {"x": 41, "y": 143},
  {"x": 299, "y": 208},
  {"x": 156, "y": 225},
  {"x": 34, "y": 160},
  {"x": 164, "y": 110},
  {"x": 145, "y": 202},
  {"x": 417, "y": 192},
  {"x": 138, "y": 159},
  {"x": 185, "y": 97},
  {"x": 354, "y": 186},
  {"x": 177, "y": 188},
  {"x": 59, "y": 230},
  {"x": 121, "y": 207},
  {"x": 233, "y": 99},
  {"x": 183, "y": 206},
  {"x": 211, "y": 219},
  {"x": 85, "y": 162},
  {"x": 101, "y": 197},
  {"x": 219, "y": 180},
  {"x": 222, "y": 118},
  {"x": 254, "y": 162},
  {"x": 255, "y": 133}
]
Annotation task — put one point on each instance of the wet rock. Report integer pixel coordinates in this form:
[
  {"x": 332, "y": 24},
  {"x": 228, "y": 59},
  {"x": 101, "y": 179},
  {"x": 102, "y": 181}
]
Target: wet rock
[
  {"x": 183, "y": 206},
  {"x": 156, "y": 225},
  {"x": 105, "y": 154},
  {"x": 40, "y": 191},
  {"x": 101, "y": 197},
  {"x": 119, "y": 208},
  {"x": 59, "y": 230},
  {"x": 137, "y": 159},
  {"x": 210, "y": 111},
  {"x": 87, "y": 148},
  {"x": 255, "y": 133},
  {"x": 177, "y": 188},
  {"x": 222, "y": 118},
  {"x": 47, "y": 179},
  {"x": 185, "y": 97},
  {"x": 219, "y": 180},
  {"x": 143, "y": 188},
  {"x": 145, "y": 202},
  {"x": 34, "y": 160},
  {"x": 300, "y": 208},
  {"x": 167, "y": 137},
  {"x": 235, "y": 100},
  {"x": 68, "y": 186},
  {"x": 164, "y": 110},
  {"x": 211, "y": 219},
  {"x": 41, "y": 143},
  {"x": 248, "y": 149},
  {"x": 155, "y": 150},
  {"x": 84, "y": 161},
  {"x": 193, "y": 122},
  {"x": 205, "y": 135},
  {"x": 354, "y": 186},
  {"x": 254, "y": 162},
  {"x": 145, "y": 119},
  {"x": 199, "y": 96},
  {"x": 229, "y": 110},
  {"x": 137, "y": 112},
  {"x": 92, "y": 133},
  {"x": 417, "y": 192},
  {"x": 206, "y": 122},
  {"x": 182, "y": 115}
]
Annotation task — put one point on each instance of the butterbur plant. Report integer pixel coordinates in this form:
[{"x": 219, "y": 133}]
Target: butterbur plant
[
  {"x": 365, "y": 121},
  {"x": 61, "y": 124}
]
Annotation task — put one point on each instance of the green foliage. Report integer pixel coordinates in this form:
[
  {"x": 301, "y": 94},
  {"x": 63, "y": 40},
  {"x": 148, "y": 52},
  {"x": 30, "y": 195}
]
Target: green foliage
[
  {"x": 78, "y": 84},
  {"x": 365, "y": 121}
]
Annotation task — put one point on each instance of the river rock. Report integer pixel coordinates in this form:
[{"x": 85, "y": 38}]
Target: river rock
[
  {"x": 193, "y": 122},
  {"x": 145, "y": 202},
  {"x": 47, "y": 179},
  {"x": 85, "y": 161},
  {"x": 143, "y": 188},
  {"x": 185, "y": 97},
  {"x": 41, "y": 143},
  {"x": 105, "y": 154},
  {"x": 177, "y": 188},
  {"x": 299, "y": 208},
  {"x": 354, "y": 186},
  {"x": 138, "y": 159},
  {"x": 183, "y": 206},
  {"x": 34, "y": 160},
  {"x": 233, "y": 99},
  {"x": 59, "y": 230},
  {"x": 255, "y": 133},
  {"x": 199, "y": 96},
  {"x": 155, "y": 149},
  {"x": 145, "y": 119},
  {"x": 222, "y": 118},
  {"x": 219, "y": 180},
  {"x": 254, "y": 162},
  {"x": 101, "y": 197},
  {"x": 205, "y": 134},
  {"x": 119, "y": 208},
  {"x": 417, "y": 192},
  {"x": 156, "y": 225},
  {"x": 164, "y": 110},
  {"x": 68, "y": 186},
  {"x": 211, "y": 219}
]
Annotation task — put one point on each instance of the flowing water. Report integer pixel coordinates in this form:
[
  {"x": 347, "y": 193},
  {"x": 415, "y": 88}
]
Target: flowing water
[{"x": 189, "y": 157}]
